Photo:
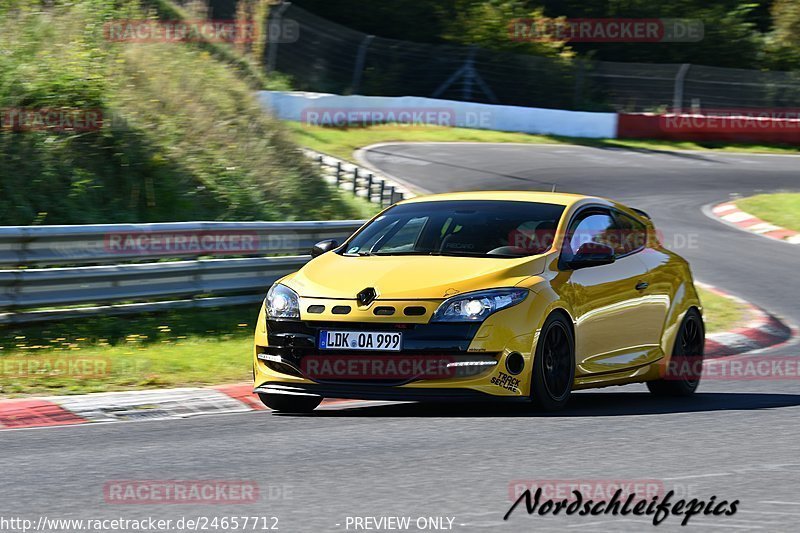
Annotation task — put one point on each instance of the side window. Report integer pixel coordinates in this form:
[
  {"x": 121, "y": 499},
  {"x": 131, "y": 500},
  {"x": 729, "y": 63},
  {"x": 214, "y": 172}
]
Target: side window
[
  {"x": 590, "y": 226},
  {"x": 631, "y": 235}
]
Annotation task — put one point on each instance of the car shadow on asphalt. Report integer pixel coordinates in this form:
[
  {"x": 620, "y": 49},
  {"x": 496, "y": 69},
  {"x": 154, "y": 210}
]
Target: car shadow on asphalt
[{"x": 584, "y": 404}]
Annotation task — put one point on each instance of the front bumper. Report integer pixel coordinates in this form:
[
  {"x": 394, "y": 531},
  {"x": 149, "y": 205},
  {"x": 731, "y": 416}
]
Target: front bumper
[
  {"x": 477, "y": 353},
  {"x": 381, "y": 392}
]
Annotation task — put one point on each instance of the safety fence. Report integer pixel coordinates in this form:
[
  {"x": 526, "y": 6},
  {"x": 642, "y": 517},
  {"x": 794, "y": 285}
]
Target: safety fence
[
  {"x": 228, "y": 266},
  {"x": 330, "y": 58}
]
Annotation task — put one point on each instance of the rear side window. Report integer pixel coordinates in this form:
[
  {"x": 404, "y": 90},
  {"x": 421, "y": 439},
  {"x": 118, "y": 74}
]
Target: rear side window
[{"x": 631, "y": 236}]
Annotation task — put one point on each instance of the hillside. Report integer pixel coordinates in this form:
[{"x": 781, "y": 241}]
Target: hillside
[{"x": 182, "y": 135}]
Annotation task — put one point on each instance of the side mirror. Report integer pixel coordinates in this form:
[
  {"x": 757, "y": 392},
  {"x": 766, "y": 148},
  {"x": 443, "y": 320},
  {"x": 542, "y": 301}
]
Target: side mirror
[
  {"x": 592, "y": 254},
  {"x": 323, "y": 246}
]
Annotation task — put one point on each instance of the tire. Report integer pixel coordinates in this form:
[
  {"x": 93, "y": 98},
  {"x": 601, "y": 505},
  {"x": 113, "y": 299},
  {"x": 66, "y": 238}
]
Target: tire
[
  {"x": 686, "y": 365},
  {"x": 553, "y": 369},
  {"x": 290, "y": 403}
]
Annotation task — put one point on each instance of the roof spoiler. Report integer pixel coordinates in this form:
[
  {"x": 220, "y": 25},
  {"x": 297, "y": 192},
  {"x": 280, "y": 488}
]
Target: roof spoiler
[{"x": 640, "y": 212}]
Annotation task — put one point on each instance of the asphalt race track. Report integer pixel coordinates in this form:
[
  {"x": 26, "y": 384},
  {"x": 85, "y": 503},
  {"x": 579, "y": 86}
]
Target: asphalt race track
[{"x": 734, "y": 440}]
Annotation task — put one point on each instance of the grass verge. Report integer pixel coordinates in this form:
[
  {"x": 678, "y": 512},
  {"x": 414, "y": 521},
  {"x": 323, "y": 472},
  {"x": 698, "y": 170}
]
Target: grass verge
[
  {"x": 172, "y": 349},
  {"x": 186, "y": 348},
  {"x": 342, "y": 142},
  {"x": 721, "y": 313},
  {"x": 781, "y": 209}
]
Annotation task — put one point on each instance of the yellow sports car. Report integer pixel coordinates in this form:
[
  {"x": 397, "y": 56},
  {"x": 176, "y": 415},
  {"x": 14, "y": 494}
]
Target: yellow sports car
[{"x": 514, "y": 295}]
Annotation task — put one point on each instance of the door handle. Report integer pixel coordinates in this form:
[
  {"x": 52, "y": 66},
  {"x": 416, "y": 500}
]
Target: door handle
[{"x": 642, "y": 285}]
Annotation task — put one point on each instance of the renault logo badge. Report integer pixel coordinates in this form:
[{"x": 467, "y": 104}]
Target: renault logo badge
[{"x": 367, "y": 296}]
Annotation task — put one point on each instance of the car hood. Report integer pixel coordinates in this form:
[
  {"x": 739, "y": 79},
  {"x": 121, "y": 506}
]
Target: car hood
[{"x": 408, "y": 277}]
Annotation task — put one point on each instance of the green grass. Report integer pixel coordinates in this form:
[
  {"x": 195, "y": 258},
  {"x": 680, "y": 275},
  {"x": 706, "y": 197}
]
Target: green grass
[
  {"x": 129, "y": 366},
  {"x": 173, "y": 349},
  {"x": 184, "y": 137},
  {"x": 181, "y": 348},
  {"x": 781, "y": 209},
  {"x": 721, "y": 314},
  {"x": 342, "y": 142}
]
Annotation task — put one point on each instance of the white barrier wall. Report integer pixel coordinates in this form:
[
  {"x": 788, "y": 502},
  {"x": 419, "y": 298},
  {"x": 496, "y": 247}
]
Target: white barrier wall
[{"x": 324, "y": 108}]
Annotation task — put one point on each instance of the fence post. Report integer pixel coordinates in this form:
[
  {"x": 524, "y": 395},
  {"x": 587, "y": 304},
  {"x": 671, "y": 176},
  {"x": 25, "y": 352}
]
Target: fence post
[
  {"x": 361, "y": 59},
  {"x": 391, "y": 195},
  {"x": 338, "y": 173},
  {"x": 677, "y": 100},
  {"x": 355, "y": 181},
  {"x": 369, "y": 186},
  {"x": 383, "y": 188}
]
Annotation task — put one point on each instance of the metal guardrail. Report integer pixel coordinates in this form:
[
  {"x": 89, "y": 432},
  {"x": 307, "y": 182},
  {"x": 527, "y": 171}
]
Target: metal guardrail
[
  {"x": 362, "y": 182},
  {"x": 35, "y": 294},
  {"x": 104, "y": 243}
]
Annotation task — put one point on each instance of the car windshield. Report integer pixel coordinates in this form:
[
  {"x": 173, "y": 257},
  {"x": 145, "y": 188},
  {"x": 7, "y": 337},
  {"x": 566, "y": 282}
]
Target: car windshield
[{"x": 482, "y": 228}]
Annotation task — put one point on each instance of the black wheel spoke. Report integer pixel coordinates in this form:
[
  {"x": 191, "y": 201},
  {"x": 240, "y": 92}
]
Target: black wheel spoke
[{"x": 556, "y": 364}]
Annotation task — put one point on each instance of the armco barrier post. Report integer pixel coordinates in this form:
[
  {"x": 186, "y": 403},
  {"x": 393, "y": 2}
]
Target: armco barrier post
[
  {"x": 355, "y": 181},
  {"x": 370, "y": 177},
  {"x": 338, "y": 173},
  {"x": 383, "y": 188}
]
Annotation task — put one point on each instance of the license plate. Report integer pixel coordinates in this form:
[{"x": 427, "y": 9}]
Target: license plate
[{"x": 360, "y": 340}]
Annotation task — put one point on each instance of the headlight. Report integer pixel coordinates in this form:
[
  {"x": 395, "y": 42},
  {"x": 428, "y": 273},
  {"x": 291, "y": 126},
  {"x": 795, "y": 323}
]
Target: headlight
[
  {"x": 282, "y": 302},
  {"x": 476, "y": 306}
]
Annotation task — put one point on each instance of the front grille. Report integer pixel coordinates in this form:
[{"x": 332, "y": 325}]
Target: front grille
[{"x": 292, "y": 341}]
